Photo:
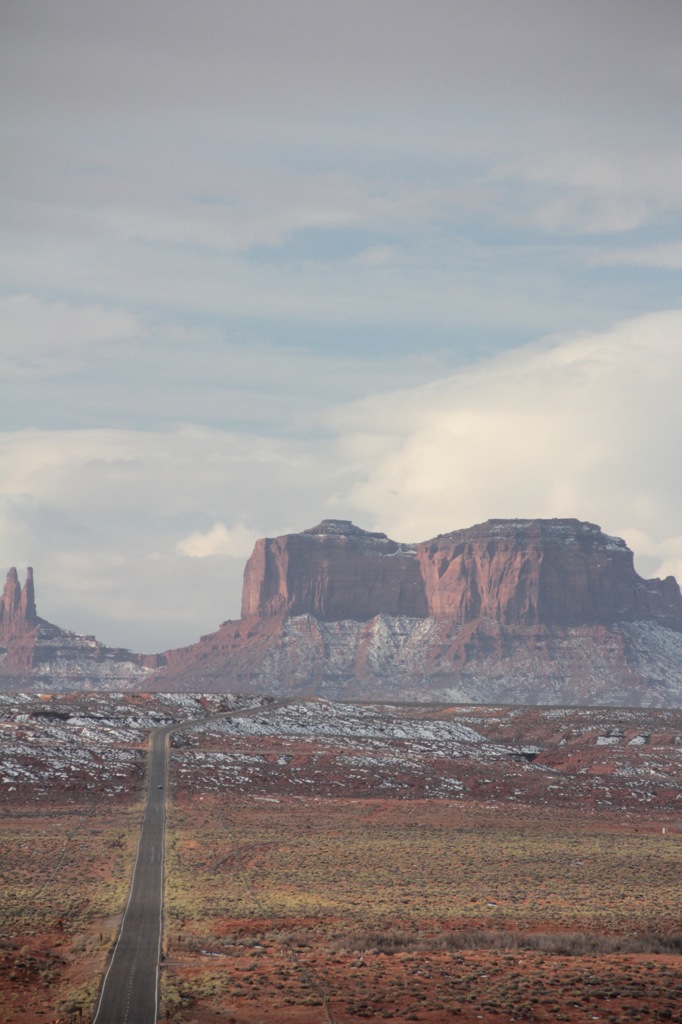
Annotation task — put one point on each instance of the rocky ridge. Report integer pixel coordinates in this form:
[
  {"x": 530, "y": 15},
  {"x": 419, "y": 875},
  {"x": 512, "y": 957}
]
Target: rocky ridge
[
  {"x": 333, "y": 571},
  {"x": 515, "y": 611}
]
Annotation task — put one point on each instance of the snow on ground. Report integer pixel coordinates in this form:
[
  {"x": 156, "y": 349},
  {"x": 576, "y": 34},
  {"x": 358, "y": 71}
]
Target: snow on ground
[
  {"x": 95, "y": 744},
  {"x": 323, "y": 718},
  {"x": 89, "y": 742}
]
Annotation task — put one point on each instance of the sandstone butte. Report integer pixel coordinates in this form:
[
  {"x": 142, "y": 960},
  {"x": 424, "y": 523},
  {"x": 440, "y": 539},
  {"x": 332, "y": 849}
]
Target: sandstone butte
[
  {"x": 516, "y": 572},
  {"x": 517, "y": 611}
]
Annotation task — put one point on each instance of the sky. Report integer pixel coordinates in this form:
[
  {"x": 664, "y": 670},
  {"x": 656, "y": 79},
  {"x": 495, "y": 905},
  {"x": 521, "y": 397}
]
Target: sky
[{"x": 264, "y": 263}]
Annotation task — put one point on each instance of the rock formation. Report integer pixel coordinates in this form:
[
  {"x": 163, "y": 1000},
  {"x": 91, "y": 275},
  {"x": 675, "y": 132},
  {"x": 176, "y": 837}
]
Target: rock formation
[
  {"x": 526, "y": 572},
  {"x": 333, "y": 571},
  {"x": 17, "y": 606},
  {"x": 541, "y": 611},
  {"x": 518, "y": 572},
  {"x": 34, "y": 654},
  {"x": 514, "y": 611}
]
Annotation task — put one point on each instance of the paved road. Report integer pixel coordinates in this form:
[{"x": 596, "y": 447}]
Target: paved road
[{"x": 130, "y": 991}]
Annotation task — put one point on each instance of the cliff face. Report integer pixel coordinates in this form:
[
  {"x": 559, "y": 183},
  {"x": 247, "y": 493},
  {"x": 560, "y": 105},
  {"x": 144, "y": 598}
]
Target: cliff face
[
  {"x": 516, "y": 572},
  {"x": 333, "y": 571},
  {"x": 559, "y": 572}
]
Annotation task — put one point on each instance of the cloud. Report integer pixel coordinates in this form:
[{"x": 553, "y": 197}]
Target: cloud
[
  {"x": 657, "y": 557},
  {"x": 236, "y": 541},
  {"x": 117, "y": 370},
  {"x": 54, "y": 338},
  {"x": 117, "y": 523},
  {"x": 567, "y": 181},
  {"x": 665, "y": 255},
  {"x": 305, "y": 56},
  {"x": 587, "y": 426},
  {"x": 318, "y": 167}
]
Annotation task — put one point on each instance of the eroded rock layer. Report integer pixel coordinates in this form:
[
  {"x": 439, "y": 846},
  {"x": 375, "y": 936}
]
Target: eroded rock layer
[
  {"x": 17, "y": 606},
  {"x": 559, "y": 572},
  {"x": 333, "y": 571},
  {"x": 517, "y": 572}
]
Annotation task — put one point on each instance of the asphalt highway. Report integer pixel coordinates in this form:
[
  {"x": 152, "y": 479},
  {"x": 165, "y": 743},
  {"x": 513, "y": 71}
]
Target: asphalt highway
[{"x": 130, "y": 991}]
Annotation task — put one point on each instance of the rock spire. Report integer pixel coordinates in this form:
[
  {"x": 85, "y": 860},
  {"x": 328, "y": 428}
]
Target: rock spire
[{"x": 17, "y": 607}]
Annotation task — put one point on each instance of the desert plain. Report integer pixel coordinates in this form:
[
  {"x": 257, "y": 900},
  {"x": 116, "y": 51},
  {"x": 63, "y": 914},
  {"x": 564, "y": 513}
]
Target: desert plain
[{"x": 328, "y": 862}]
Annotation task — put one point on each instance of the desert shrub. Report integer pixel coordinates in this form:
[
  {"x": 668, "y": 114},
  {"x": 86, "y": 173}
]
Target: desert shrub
[{"x": 570, "y": 944}]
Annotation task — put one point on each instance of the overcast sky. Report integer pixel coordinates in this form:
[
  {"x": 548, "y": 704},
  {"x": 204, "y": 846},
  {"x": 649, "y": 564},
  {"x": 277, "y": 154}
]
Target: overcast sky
[{"x": 262, "y": 263}]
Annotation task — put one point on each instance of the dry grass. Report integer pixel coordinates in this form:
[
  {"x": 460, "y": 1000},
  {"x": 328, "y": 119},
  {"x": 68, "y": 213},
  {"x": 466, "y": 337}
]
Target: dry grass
[
  {"x": 64, "y": 879},
  {"x": 430, "y": 911},
  {"x": 384, "y": 862},
  {"x": 395, "y": 940}
]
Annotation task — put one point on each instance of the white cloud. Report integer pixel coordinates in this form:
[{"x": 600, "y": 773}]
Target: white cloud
[
  {"x": 588, "y": 188},
  {"x": 236, "y": 541},
  {"x": 108, "y": 519},
  {"x": 587, "y": 426},
  {"x": 659, "y": 557}
]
